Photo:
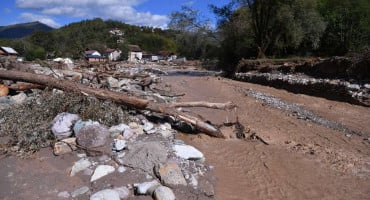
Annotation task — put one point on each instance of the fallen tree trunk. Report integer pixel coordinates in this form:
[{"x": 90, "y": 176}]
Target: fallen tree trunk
[
  {"x": 25, "y": 86},
  {"x": 116, "y": 97},
  {"x": 225, "y": 106},
  {"x": 70, "y": 86}
]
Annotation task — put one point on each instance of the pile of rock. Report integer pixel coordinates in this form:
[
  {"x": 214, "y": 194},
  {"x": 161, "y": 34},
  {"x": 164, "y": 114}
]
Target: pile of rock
[
  {"x": 141, "y": 148},
  {"x": 334, "y": 89}
]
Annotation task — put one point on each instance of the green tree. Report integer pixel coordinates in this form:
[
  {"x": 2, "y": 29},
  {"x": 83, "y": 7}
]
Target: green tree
[
  {"x": 35, "y": 53},
  {"x": 194, "y": 37},
  {"x": 280, "y": 24},
  {"x": 348, "y": 26}
]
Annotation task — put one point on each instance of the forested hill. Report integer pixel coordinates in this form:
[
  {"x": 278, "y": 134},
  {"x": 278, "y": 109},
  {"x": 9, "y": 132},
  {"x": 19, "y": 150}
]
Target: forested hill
[
  {"x": 72, "y": 40},
  {"x": 22, "y": 30}
]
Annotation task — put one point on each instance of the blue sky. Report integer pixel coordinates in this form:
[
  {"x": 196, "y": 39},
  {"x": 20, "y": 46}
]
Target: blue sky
[{"x": 57, "y": 13}]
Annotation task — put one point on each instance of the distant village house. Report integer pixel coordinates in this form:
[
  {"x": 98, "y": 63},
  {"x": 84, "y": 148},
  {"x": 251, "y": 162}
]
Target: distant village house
[
  {"x": 135, "y": 53},
  {"x": 8, "y": 51},
  {"x": 113, "y": 54},
  {"x": 94, "y": 56}
]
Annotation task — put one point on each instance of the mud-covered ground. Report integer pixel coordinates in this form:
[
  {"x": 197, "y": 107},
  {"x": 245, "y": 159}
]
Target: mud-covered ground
[
  {"x": 296, "y": 146},
  {"x": 310, "y": 153}
]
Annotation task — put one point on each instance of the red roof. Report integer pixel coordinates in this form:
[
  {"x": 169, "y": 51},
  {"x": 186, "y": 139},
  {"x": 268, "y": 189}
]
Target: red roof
[{"x": 134, "y": 48}]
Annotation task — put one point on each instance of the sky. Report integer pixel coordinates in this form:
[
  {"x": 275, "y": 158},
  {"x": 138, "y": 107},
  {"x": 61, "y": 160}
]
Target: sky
[{"x": 57, "y": 13}]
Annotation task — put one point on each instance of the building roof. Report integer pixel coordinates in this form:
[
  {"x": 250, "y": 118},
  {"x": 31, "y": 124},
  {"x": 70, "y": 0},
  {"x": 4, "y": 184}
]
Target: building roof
[
  {"x": 88, "y": 52},
  {"x": 134, "y": 48},
  {"x": 111, "y": 50},
  {"x": 9, "y": 50}
]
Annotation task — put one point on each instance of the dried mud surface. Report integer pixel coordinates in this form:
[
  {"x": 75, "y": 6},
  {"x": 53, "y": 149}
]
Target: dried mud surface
[
  {"x": 303, "y": 159},
  {"x": 317, "y": 148}
]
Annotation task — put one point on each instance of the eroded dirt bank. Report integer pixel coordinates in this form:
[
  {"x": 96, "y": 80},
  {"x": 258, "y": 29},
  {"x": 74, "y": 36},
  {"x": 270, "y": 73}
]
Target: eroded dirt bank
[{"x": 303, "y": 159}]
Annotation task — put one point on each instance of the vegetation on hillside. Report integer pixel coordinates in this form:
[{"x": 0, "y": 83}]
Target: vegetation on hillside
[
  {"x": 72, "y": 40},
  {"x": 245, "y": 29}
]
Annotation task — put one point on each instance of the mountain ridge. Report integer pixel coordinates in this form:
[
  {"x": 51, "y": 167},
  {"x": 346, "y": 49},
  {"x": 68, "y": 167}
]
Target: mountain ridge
[{"x": 20, "y": 30}]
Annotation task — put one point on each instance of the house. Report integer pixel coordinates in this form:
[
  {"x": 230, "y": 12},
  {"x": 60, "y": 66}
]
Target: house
[
  {"x": 94, "y": 56},
  {"x": 166, "y": 55},
  {"x": 149, "y": 57},
  {"x": 8, "y": 51},
  {"x": 113, "y": 54},
  {"x": 116, "y": 31},
  {"x": 135, "y": 53}
]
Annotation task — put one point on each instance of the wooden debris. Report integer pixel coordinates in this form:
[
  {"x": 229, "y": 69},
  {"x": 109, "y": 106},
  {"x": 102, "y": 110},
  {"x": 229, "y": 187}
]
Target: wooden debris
[
  {"x": 25, "y": 86},
  {"x": 4, "y": 90},
  {"x": 225, "y": 106},
  {"x": 116, "y": 97}
]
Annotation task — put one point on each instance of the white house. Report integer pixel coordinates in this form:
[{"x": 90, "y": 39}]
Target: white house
[
  {"x": 135, "y": 53},
  {"x": 8, "y": 51},
  {"x": 113, "y": 54}
]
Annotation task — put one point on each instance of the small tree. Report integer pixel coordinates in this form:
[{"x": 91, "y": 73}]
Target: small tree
[{"x": 35, "y": 53}]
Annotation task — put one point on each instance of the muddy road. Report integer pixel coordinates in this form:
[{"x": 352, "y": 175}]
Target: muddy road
[{"x": 302, "y": 159}]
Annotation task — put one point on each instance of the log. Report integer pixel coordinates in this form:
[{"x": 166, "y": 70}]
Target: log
[
  {"x": 116, "y": 97},
  {"x": 70, "y": 86},
  {"x": 224, "y": 106},
  {"x": 25, "y": 86}
]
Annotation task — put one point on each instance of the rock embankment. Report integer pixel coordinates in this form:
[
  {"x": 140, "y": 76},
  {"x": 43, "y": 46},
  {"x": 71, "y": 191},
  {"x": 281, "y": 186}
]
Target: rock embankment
[{"x": 337, "y": 78}]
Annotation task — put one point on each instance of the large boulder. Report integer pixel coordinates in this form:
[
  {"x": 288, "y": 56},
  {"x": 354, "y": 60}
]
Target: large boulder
[{"x": 92, "y": 136}]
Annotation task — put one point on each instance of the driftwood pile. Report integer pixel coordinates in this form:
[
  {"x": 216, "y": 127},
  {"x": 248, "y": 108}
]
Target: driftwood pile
[{"x": 34, "y": 80}]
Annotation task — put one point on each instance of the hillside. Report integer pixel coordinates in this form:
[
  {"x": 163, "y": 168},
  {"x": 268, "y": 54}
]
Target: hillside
[{"x": 22, "y": 30}]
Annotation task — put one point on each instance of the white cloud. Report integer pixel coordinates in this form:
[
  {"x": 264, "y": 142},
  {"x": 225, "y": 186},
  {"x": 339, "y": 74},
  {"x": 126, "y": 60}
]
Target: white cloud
[
  {"x": 41, "y": 18},
  {"x": 121, "y": 10}
]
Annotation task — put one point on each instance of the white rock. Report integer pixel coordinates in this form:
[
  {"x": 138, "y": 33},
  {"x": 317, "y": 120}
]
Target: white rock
[
  {"x": 165, "y": 126},
  {"x": 80, "y": 165},
  {"x": 114, "y": 83},
  {"x": 118, "y": 128},
  {"x": 193, "y": 181},
  {"x": 147, "y": 188},
  {"x": 128, "y": 133},
  {"x": 19, "y": 98},
  {"x": 80, "y": 124},
  {"x": 62, "y": 124},
  {"x": 166, "y": 133},
  {"x": 138, "y": 131},
  {"x": 121, "y": 169},
  {"x": 124, "y": 82},
  {"x": 100, "y": 171},
  {"x": 107, "y": 194},
  {"x": 188, "y": 152},
  {"x": 133, "y": 125},
  {"x": 119, "y": 145},
  {"x": 121, "y": 154},
  {"x": 164, "y": 193},
  {"x": 80, "y": 191},
  {"x": 123, "y": 192},
  {"x": 64, "y": 194},
  {"x": 148, "y": 126},
  {"x": 354, "y": 86}
]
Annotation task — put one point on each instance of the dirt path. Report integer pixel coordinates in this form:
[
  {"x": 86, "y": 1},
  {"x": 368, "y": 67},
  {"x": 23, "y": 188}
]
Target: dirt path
[{"x": 304, "y": 160}]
